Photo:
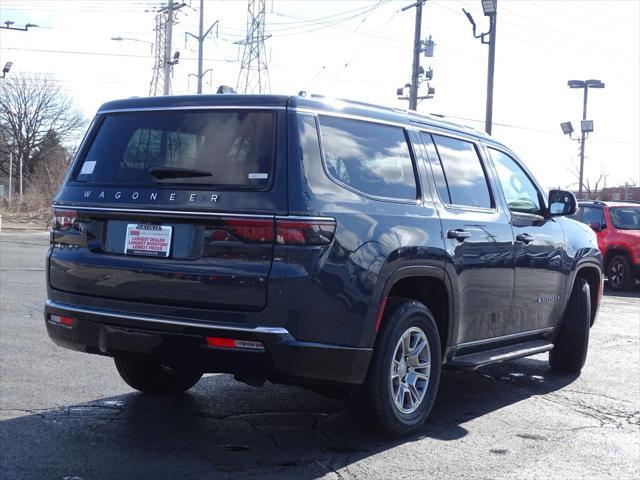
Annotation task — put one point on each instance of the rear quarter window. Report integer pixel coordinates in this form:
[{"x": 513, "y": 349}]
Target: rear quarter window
[
  {"x": 369, "y": 158},
  {"x": 226, "y": 148}
]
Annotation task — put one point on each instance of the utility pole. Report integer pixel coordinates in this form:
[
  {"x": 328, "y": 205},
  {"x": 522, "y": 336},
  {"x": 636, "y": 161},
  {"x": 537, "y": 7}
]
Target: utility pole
[
  {"x": 10, "y": 176},
  {"x": 167, "y": 49},
  {"x": 202, "y": 35},
  {"x": 165, "y": 17},
  {"x": 488, "y": 121},
  {"x": 21, "y": 182},
  {"x": 490, "y": 9},
  {"x": 417, "y": 44},
  {"x": 418, "y": 74}
]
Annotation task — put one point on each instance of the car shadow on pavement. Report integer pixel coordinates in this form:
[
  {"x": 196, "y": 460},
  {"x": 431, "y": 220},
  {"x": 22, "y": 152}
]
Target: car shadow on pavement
[{"x": 222, "y": 428}]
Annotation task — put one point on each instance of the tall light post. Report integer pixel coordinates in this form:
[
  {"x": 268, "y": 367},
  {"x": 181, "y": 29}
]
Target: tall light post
[
  {"x": 490, "y": 9},
  {"x": 586, "y": 126}
]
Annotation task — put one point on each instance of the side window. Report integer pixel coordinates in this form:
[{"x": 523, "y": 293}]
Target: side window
[
  {"x": 463, "y": 173},
  {"x": 521, "y": 194},
  {"x": 593, "y": 216},
  {"x": 368, "y": 157}
]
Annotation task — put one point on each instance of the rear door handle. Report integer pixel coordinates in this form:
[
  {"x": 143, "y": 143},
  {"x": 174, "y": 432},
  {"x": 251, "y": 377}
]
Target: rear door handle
[
  {"x": 524, "y": 238},
  {"x": 459, "y": 235}
]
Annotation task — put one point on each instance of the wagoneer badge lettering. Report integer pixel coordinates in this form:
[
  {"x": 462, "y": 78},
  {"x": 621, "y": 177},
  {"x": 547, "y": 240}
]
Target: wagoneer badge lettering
[{"x": 153, "y": 196}]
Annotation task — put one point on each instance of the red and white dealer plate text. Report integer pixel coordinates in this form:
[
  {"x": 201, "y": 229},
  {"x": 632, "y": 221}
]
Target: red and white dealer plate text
[{"x": 144, "y": 239}]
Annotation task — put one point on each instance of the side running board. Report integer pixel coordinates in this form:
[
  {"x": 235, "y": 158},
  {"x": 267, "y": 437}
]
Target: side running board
[{"x": 501, "y": 354}]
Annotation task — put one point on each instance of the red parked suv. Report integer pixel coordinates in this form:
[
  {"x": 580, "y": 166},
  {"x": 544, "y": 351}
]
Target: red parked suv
[{"x": 617, "y": 225}]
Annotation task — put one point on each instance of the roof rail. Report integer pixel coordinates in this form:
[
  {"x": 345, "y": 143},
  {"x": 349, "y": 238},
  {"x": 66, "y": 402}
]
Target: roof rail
[
  {"x": 355, "y": 102},
  {"x": 430, "y": 117}
]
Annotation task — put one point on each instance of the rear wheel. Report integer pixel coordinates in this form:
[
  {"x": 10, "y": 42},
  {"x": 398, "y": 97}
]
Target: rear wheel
[
  {"x": 619, "y": 273},
  {"x": 148, "y": 376},
  {"x": 570, "y": 348},
  {"x": 401, "y": 385}
]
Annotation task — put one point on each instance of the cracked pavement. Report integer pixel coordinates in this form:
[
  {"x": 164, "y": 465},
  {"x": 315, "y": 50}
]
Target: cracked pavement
[{"x": 68, "y": 415}]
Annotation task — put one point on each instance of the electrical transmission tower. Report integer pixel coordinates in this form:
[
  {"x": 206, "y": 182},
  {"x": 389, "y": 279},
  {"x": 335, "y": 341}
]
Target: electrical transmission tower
[
  {"x": 164, "y": 62},
  {"x": 254, "y": 72}
]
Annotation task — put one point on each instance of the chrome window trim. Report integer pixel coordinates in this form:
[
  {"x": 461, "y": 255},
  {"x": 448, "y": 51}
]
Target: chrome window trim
[
  {"x": 161, "y": 212},
  {"x": 144, "y": 318},
  {"x": 193, "y": 107}
]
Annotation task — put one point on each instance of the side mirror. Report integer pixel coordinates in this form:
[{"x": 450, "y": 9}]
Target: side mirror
[{"x": 561, "y": 202}]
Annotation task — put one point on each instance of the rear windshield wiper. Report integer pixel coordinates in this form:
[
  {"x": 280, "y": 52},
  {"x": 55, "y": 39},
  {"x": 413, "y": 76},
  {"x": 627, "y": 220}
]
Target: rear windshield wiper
[{"x": 176, "y": 172}]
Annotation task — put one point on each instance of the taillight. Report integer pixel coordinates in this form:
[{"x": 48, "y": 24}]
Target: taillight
[
  {"x": 285, "y": 231},
  {"x": 64, "y": 219},
  {"x": 242, "y": 230},
  {"x": 305, "y": 232}
]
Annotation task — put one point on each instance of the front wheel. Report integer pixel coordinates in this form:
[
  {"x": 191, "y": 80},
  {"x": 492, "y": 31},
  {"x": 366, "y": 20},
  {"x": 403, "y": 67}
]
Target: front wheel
[
  {"x": 570, "y": 348},
  {"x": 401, "y": 385},
  {"x": 148, "y": 376}
]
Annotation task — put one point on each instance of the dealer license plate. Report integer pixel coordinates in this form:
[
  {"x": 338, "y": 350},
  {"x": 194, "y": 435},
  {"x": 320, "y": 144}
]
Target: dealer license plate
[{"x": 150, "y": 240}]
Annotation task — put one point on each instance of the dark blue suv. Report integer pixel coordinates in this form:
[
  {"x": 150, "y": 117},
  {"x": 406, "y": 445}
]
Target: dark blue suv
[{"x": 330, "y": 244}]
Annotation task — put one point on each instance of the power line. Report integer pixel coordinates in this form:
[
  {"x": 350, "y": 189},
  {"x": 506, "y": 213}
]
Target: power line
[{"x": 108, "y": 54}]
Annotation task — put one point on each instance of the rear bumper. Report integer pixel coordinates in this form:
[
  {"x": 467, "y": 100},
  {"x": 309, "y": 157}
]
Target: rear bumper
[{"x": 183, "y": 343}]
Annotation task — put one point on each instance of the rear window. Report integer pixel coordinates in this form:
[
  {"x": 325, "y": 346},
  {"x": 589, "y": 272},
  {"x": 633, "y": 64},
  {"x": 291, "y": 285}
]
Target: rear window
[
  {"x": 368, "y": 157},
  {"x": 221, "y": 148}
]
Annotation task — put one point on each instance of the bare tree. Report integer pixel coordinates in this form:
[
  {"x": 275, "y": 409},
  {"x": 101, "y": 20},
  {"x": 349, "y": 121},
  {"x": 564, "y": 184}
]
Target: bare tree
[
  {"x": 32, "y": 110},
  {"x": 590, "y": 187}
]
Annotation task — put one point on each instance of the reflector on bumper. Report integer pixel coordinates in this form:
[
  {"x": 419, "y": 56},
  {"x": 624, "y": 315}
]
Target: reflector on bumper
[{"x": 221, "y": 342}]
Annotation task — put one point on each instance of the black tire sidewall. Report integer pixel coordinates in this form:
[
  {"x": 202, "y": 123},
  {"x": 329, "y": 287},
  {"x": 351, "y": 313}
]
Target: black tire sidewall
[
  {"x": 570, "y": 347},
  {"x": 402, "y": 316}
]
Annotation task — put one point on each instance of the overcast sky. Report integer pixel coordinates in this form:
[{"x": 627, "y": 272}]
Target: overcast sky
[{"x": 362, "y": 50}]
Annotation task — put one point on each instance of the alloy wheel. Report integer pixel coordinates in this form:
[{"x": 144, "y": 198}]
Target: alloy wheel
[
  {"x": 617, "y": 274},
  {"x": 410, "y": 370}
]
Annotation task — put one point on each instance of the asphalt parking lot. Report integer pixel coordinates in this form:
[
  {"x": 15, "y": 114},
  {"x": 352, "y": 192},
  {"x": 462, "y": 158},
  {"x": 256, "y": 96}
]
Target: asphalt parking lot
[{"x": 66, "y": 415}]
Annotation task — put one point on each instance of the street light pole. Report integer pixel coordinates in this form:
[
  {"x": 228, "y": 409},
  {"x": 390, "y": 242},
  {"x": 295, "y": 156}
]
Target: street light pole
[
  {"x": 585, "y": 85},
  {"x": 490, "y": 9},
  {"x": 583, "y": 138}
]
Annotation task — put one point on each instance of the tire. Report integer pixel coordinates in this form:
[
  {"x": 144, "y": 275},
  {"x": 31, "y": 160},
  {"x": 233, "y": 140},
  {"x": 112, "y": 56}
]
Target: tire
[
  {"x": 373, "y": 402},
  {"x": 148, "y": 376},
  {"x": 619, "y": 274},
  {"x": 570, "y": 348}
]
